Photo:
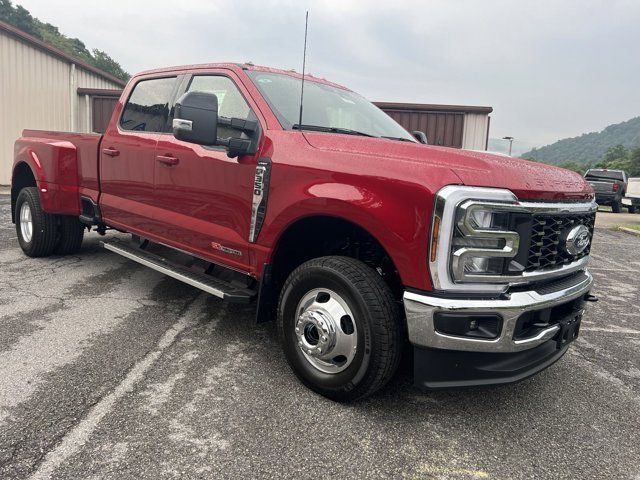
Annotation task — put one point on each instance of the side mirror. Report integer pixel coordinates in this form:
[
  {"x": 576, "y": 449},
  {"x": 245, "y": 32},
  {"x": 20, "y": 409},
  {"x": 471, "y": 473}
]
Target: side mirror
[
  {"x": 420, "y": 136},
  {"x": 196, "y": 118}
]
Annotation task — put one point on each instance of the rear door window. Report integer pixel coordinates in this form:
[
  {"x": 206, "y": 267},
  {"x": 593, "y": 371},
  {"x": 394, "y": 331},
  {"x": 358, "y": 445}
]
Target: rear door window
[{"x": 147, "y": 109}]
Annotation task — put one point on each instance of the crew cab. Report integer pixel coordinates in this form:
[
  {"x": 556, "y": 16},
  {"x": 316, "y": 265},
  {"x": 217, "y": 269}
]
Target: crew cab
[
  {"x": 610, "y": 186},
  {"x": 362, "y": 242}
]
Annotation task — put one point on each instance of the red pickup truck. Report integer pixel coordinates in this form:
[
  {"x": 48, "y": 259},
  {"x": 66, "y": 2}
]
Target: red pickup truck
[{"x": 364, "y": 243}]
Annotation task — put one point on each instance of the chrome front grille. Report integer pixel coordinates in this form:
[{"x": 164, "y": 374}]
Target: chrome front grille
[{"x": 545, "y": 248}]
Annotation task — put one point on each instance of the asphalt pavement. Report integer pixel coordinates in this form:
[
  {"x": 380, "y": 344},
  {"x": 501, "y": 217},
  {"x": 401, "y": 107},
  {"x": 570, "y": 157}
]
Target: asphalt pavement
[
  {"x": 111, "y": 370},
  {"x": 607, "y": 219}
]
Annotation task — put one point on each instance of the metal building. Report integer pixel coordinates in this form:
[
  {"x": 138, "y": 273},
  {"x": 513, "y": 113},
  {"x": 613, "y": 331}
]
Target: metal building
[
  {"x": 42, "y": 87},
  {"x": 455, "y": 126}
]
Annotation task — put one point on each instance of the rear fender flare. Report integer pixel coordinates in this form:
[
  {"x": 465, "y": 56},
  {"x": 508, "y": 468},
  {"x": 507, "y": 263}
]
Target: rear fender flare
[{"x": 55, "y": 169}]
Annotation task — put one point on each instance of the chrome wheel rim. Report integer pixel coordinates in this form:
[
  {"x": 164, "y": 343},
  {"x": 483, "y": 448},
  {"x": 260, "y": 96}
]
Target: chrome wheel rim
[
  {"x": 326, "y": 331},
  {"x": 26, "y": 222}
]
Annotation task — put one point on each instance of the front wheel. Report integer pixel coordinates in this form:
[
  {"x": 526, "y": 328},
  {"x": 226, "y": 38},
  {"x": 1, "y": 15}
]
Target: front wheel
[
  {"x": 632, "y": 208},
  {"x": 340, "y": 327}
]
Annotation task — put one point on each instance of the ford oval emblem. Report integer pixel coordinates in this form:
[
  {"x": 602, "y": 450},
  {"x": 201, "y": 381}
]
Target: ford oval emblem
[{"x": 577, "y": 240}]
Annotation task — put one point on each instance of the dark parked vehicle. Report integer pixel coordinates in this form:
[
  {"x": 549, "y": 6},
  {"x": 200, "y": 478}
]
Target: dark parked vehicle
[{"x": 610, "y": 186}]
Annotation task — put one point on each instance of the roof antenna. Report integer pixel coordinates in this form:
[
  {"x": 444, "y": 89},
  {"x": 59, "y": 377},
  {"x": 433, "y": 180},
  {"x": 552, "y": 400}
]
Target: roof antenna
[{"x": 304, "y": 61}]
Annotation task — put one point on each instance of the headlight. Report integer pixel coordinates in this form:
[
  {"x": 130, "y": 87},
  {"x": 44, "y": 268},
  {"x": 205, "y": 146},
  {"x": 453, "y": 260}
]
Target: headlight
[
  {"x": 483, "y": 265},
  {"x": 482, "y": 243},
  {"x": 480, "y": 218},
  {"x": 472, "y": 238}
]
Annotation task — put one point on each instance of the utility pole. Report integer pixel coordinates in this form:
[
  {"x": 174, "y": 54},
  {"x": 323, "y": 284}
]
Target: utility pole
[{"x": 510, "y": 143}]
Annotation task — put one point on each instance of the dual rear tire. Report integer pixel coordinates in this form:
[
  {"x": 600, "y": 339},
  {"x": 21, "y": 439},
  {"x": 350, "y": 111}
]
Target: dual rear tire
[
  {"x": 41, "y": 234},
  {"x": 616, "y": 207}
]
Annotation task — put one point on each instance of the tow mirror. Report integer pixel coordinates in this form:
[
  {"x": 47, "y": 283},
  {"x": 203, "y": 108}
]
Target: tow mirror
[
  {"x": 196, "y": 118},
  {"x": 420, "y": 136}
]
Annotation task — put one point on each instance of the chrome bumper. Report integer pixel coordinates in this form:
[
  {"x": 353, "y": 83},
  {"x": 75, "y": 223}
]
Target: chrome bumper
[{"x": 420, "y": 310}]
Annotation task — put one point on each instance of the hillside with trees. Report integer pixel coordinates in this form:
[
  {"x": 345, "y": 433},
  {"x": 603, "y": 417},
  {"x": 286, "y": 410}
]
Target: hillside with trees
[
  {"x": 592, "y": 148},
  {"x": 616, "y": 158},
  {"x": 20, "y": 18}
]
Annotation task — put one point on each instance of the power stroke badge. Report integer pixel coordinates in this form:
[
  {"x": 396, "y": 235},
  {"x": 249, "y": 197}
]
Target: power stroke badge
[{"x": 260, "y": 195}]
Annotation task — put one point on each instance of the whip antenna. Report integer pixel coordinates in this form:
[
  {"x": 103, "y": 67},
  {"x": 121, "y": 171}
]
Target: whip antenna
[{"x": 304, "y": 61}]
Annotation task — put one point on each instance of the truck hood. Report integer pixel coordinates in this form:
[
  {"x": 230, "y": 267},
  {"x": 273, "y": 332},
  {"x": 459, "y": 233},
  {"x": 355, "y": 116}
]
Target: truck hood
[{"x": 527, "y": 180}]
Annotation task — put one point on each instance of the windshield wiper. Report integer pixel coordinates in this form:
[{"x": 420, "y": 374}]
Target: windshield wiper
[
  {"x": 400, "y": 139},
  {"x": 321, "y": 128}
]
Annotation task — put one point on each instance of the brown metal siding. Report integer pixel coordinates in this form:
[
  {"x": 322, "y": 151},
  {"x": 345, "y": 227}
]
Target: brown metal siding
[
  {"x": 442, "y": 128},
  {"x": 102, "y": 110}
]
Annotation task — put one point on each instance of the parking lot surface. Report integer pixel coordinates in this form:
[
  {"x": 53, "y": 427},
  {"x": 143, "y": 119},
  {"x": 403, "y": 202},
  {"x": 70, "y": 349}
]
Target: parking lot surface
[
  {"x": 111, "y": 370},
  {"x": 605, "y": 219}
]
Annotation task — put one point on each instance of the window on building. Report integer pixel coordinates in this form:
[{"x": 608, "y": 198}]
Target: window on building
[{"x": 147, "y": 109}]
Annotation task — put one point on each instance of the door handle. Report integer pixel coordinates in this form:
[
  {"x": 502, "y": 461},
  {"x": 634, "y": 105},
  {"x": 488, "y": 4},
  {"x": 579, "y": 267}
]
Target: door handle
[
  {"x": 168, "y": 160},
  {"x": 111, "y": 152}
]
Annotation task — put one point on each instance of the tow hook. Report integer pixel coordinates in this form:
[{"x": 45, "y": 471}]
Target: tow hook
[{"x": 590, "y": 298}]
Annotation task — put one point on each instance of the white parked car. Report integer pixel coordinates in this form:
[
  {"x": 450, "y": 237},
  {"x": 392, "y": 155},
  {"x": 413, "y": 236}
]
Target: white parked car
[{"x": 631, "y": 199}]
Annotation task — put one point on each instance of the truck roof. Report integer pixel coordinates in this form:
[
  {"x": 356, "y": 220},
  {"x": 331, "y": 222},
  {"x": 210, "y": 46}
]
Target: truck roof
[{"x": 241, "y": 66}]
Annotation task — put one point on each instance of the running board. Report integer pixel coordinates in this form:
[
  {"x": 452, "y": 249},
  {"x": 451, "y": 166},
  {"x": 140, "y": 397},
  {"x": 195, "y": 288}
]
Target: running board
[{"x": 204, "y": 282}]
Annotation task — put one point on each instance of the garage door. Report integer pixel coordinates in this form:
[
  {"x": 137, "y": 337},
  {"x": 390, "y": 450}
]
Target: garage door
[
  {"x": 102, "y": 110},
  {"x": 442, "y": 128}
]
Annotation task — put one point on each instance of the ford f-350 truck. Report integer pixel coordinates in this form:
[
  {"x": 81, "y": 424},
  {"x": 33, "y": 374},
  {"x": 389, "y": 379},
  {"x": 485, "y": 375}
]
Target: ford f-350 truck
[{"x": 360, "y": 240}]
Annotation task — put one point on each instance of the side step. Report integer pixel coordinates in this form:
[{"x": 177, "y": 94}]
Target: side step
[{"x": 203, "y": 281}]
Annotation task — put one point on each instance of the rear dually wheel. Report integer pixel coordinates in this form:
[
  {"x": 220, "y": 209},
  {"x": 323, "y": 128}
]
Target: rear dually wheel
[{"x": 36, "y": 229}]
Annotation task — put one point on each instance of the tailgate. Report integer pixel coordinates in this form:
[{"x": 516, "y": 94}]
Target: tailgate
[{"x": 601, "y": 187}]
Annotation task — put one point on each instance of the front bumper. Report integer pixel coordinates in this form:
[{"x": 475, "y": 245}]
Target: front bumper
[{"x": 510, "y": 356}]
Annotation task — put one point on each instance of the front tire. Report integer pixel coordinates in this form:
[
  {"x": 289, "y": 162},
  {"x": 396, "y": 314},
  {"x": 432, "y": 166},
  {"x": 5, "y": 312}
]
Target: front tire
[
  {"x": 632, "y": 209},
  {"x": 340, "y": 327},
  {"x": 36, "y": 229}
]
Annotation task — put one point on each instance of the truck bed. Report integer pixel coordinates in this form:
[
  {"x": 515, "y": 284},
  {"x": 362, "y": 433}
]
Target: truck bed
[{"x": 65, "y": 165}]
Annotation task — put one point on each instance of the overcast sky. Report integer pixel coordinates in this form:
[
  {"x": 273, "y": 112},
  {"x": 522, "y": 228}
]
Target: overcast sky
[{"x": 549, "y": 68}]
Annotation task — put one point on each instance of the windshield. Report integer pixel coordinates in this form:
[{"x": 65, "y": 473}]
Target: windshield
[{"x": 325, "y": 107}]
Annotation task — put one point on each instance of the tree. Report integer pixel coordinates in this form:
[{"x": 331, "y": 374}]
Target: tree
[
  {"x": 634, "y": 163},
  {"x": 574, "y": 166},
  {"x": 617, "y": 153},
  {"x": 108, "y": 64},
  {"x": 6, "y": 10},
  {"x": 23, "y": 20},
  {"x": 616, "y": 158}
]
